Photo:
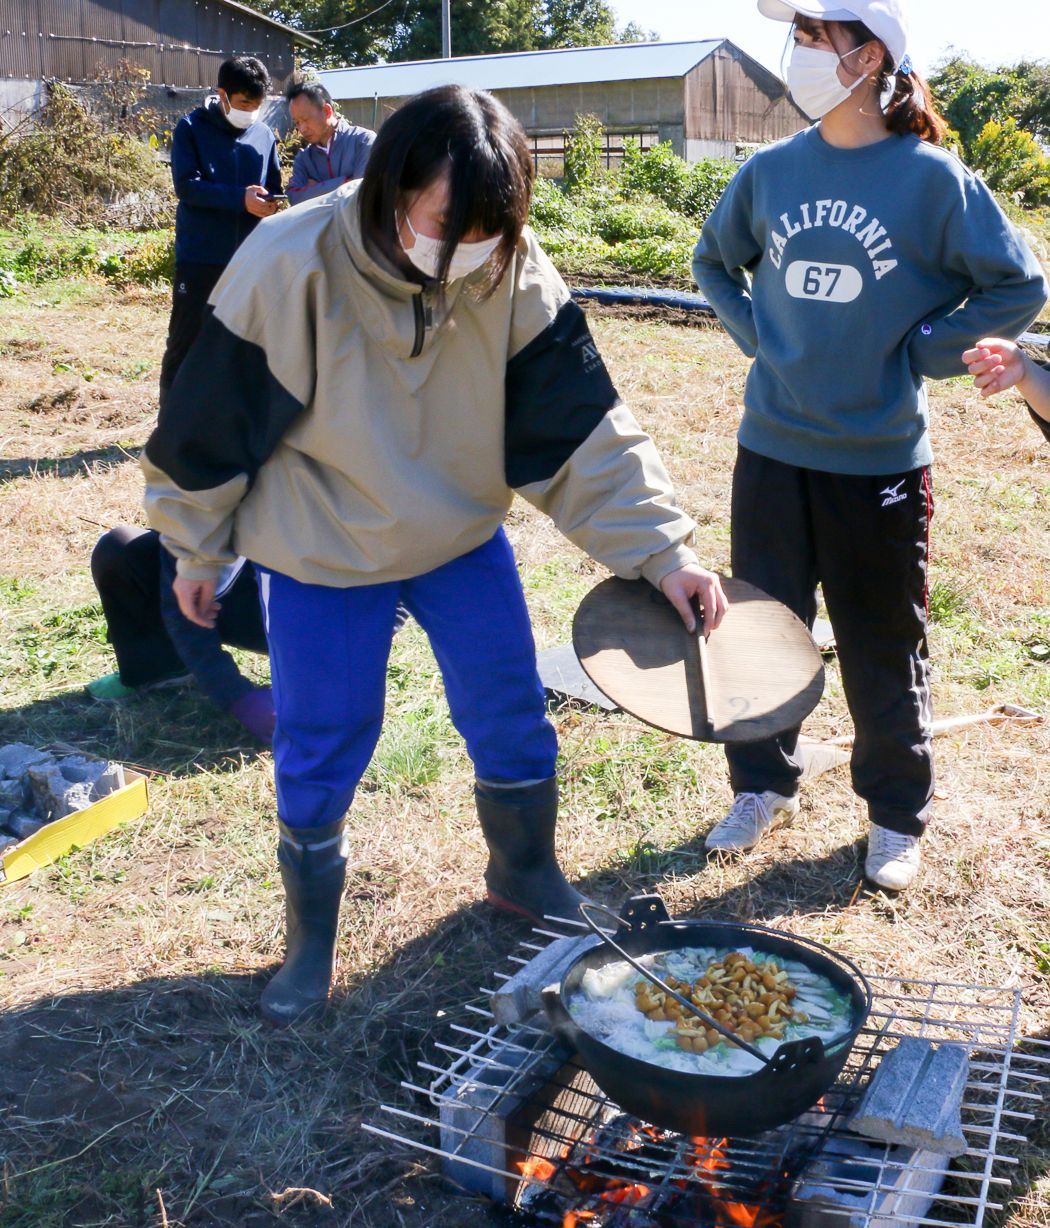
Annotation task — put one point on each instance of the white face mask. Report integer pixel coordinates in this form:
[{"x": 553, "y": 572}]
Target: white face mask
[
  {"x": 239, "y": 119},
  {"x": 466, "y": 259},
  {"x": 813, "y": 79}
]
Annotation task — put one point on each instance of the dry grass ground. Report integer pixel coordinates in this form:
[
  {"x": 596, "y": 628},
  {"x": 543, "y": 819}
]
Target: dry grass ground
[{"x": 131, "y": 1061}]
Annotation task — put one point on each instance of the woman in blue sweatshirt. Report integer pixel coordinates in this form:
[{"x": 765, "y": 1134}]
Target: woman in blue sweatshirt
[{"x": 852, "y": 261}]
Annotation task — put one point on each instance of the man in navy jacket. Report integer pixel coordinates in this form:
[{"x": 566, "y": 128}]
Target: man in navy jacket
[{"x": 225, "y": 168}]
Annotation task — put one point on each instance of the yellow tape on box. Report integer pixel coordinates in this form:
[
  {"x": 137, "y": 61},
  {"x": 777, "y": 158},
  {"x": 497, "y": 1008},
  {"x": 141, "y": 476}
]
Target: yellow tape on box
[{"x": 76, "y": 830}]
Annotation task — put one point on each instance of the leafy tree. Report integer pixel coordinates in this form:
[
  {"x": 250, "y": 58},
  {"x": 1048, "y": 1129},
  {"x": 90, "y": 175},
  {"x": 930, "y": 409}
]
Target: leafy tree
[
  {"x": 971, "y": 96},
  {"x": 411, "y": 29},
  {"x": 1011, "y": 161},
  {"x": 364, "y": 42},
  {"x": 1034, "y": 113}
]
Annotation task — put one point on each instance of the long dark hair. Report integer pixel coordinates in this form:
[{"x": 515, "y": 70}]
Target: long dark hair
[
  {"x": 472, "y": 138},
  {"x": 911, "y": 109}
]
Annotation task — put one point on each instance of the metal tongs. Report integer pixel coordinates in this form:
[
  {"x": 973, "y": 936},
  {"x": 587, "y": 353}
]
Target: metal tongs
[{"x": 789, "y": 1054}]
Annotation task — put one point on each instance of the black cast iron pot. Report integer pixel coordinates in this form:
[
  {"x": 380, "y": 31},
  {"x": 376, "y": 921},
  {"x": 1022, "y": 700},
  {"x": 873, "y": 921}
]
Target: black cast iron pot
[{"x": 794, "y": 1079}]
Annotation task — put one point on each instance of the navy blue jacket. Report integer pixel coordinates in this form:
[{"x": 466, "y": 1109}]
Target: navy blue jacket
[{"x": 212, "y": 163}]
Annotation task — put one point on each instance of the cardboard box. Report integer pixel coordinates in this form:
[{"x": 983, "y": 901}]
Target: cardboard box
[{"x": 76, "y": 830}]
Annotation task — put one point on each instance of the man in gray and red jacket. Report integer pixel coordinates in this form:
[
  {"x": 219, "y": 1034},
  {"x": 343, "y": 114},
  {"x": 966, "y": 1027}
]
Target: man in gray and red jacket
[{"x": 336, "y": 151}]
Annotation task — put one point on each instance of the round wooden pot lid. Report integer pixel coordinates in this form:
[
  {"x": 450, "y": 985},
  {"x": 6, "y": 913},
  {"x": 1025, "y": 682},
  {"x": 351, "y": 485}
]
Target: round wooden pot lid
[{"x": 757, "y": 675}]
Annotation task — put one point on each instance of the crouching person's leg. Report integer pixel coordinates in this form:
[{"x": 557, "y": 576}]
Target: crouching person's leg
[
  {"x": 474, "y": 612},
  {"x": 328, "y": 656}
]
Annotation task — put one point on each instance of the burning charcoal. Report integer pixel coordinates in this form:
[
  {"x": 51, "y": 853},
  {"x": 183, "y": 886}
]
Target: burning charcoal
[
  {"x": 915, "y": 1097},
  {"x": 21, "y": 826},
  {"x": 17, "y": 758},
  {"x": 12, "y": 794},
  {"x": 55, "y": 796},
  {"x": 519, "y": 998}
]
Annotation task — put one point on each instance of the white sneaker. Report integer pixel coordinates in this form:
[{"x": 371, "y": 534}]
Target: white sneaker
[
  {"x": 751, "y": 816},
  {"x": 893, "y": 858}
]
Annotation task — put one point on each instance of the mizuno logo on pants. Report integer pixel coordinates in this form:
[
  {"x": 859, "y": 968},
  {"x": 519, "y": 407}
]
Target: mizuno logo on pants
[{"x": 893, "y": 494}]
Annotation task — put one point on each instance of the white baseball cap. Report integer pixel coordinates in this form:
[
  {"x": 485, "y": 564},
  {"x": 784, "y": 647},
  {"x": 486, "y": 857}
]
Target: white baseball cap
[{"x": 886, "y": 19}]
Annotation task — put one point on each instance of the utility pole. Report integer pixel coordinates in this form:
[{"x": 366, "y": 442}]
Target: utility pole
[{"x": 446, "y": 29}]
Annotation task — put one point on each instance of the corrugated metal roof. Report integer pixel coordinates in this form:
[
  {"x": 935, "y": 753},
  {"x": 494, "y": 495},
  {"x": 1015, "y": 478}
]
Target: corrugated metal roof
[
  {"x": 519, "y": 70},
  {"x": 297, "y": 35}
]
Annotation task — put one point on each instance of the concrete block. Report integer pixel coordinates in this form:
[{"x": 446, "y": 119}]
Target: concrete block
[
  {"x": 17, "y": 758},
  {"x": 915, "y": 1096},
  {"x": 519, "y": 998},
  {"x": 857, "y": 1184},
  {"x": 478, "y": 1116}
]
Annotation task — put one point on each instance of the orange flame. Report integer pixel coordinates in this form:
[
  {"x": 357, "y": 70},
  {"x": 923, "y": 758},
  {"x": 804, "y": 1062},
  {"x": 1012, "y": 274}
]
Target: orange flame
[
  {"x": 537, "y": 1167},
  {"x": 626, "y": 1195}
]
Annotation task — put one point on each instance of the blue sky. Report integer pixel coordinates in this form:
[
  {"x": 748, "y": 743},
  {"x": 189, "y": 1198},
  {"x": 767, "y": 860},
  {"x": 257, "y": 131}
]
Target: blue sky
[{"x": 999, "y": 33}]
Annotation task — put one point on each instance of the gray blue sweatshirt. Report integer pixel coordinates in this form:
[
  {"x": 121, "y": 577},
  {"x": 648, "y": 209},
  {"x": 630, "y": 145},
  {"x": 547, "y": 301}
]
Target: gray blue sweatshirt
[{"x": 849, "y": 275}]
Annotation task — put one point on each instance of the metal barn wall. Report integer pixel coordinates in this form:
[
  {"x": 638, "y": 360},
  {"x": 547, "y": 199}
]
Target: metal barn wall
[
  {"x": 731, "y": 99},
  {"x": 623, "y": 106},
  {"x": 726, "y": 99},
  {"x": 180, "y": 42}
]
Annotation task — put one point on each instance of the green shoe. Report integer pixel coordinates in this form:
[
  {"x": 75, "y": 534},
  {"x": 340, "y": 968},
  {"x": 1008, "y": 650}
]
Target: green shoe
[{"x": 109, "y": 690}]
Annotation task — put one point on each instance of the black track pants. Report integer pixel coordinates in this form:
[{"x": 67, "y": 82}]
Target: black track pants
[
  {"x": 866, "y": 541},
  {"x": 189, "y": 296},
  {"x": 150, "y": 637}
]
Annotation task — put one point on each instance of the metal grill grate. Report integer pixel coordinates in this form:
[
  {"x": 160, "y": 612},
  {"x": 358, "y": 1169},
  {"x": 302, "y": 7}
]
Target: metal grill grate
[{"x": 511, "y": 1094}]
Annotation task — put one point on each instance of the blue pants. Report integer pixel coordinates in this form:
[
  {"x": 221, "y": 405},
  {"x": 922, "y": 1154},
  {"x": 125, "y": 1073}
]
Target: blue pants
[{"x": 328, "y": 660}]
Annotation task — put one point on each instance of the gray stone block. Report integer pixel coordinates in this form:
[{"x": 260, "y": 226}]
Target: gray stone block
[
  {"x": 519, "y": 998},
  {"x": 17, "y": 758},
  {"x": 78, "y": 770},
  {"x": 915, "y": 1096},
  {"x": 109, "y": 782},
  {"x": 22, "y": 826},
  {"x": 55, "y": 796},
  {"x": 12, "y": 794}
]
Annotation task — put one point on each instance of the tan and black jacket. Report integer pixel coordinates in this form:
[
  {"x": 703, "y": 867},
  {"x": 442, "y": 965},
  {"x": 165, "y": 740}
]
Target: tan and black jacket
[{"x": 325, "y": 427}]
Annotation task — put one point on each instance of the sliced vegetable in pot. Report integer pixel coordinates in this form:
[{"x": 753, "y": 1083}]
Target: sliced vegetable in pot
[{"x": 761, "y": 998}]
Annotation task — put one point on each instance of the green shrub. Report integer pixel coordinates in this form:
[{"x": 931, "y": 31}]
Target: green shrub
[
  {"x": 655, "y": 172},
  {"x": 619, "y": 222},
  {"x": 1011, "y": 161},
  {"x": 706, "y": 182},
  {"x": 692, "y": 190},
  {"x": 583, "y": 153},
  {"x": 654, "y": 256},
  {"x": 150, "y": 261},
  {"x": 66, "y": 165},
  {"x": 37, "y": 252},
  {"x": 553, "y": 210}
]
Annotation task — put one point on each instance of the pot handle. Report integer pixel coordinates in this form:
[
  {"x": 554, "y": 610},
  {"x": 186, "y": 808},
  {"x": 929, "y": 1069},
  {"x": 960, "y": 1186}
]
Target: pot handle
[{"x": 693, "y": 1009}]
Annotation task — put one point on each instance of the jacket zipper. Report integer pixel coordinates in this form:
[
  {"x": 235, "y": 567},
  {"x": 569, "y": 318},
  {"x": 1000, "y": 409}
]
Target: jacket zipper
[{"x": 421, "y": 324}]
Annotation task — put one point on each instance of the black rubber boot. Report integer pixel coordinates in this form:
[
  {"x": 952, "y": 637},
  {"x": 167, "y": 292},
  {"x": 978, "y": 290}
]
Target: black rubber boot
[
  {"x": 313, "y": 870},
  {"x": 523, "y": 875}
]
